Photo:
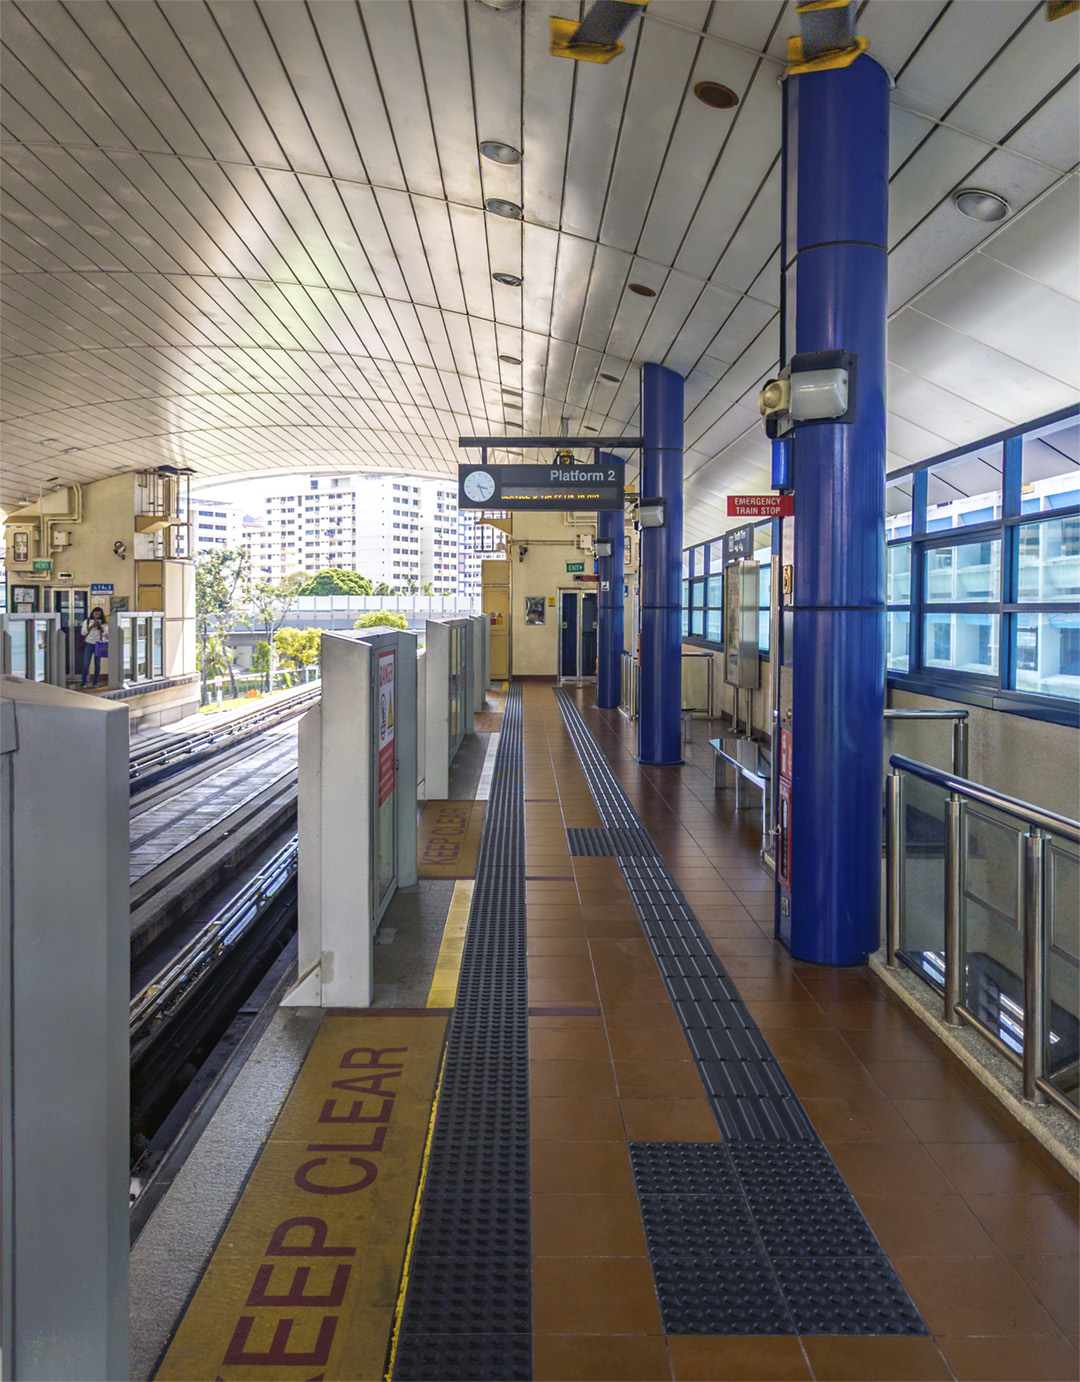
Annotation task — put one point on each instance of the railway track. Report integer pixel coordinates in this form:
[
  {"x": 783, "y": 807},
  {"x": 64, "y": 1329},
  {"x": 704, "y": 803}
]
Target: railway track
[{"x": 172, "y": 754}]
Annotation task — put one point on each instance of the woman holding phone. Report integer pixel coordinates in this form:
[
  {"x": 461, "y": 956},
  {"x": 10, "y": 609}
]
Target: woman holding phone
[{"x": 95, "y": 632}]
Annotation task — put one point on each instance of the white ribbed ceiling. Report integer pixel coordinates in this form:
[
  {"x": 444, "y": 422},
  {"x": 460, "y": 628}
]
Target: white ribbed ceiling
[{"x": 250, "y": 237}]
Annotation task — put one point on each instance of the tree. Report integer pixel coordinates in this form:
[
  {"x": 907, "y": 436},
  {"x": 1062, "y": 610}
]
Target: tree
[
  {"x": 428, "y": 588},
  {"x": 260, "y": 661},
  {"x": 299, "y": 646},
  {"x": 381, "y": 619},
  {"x": 335, "y": 580},
  {"x": 383, "y": 589},
  {"x": 220, "y": 586},
  {"x": 269, "y": 606}
]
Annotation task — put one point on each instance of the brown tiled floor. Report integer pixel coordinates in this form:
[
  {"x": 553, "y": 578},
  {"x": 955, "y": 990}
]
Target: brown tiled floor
[{"x": 980, "y": 1224}]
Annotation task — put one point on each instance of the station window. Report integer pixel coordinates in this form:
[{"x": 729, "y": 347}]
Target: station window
[{"x": 997, "y": 610}]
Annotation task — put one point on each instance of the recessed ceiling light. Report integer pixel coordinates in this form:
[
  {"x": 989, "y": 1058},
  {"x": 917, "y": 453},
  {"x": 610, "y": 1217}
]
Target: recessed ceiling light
[
  {"x": 69, "y": 450},
  {"x": 642, "y": 290},
  {"x": 51, "y": 479},
  {"x": 979, "y": 205},
  {"x": 611, "y": 378},
  {"x": 499, "y": 152},
  {"x": 510, "y": 280},
  {"x": 510, "y": 359},
  {"x": 715, "y": 95},
  {"x": 589, "y": 429},
  {"x": 501, "y": 4},
  {"x": 498, "y": 207},
  {"x": 47, "y": 441}
]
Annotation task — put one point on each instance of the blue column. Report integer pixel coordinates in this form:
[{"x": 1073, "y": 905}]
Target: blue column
[
  {"x": 838, "y": 657},
  {"x": 610, "y": 523},
  {"x": 659, "y": 724}
]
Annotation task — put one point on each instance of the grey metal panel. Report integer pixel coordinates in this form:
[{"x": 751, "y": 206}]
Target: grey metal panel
[{"x": 65, "y": 944}]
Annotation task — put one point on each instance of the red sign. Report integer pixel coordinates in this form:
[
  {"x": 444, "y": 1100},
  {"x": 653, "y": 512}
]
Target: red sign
[
  {"x": 385, "y": 712},
  {"x": 760, "y": 505}
]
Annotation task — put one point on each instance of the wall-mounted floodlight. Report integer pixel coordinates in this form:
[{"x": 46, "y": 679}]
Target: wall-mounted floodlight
[
  {"x": 652, "y": 513},
  {"x": 604, "y": 547}
]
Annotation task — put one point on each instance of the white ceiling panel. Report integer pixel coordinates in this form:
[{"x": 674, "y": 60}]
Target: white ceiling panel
[{"x": 250, "y": 235}]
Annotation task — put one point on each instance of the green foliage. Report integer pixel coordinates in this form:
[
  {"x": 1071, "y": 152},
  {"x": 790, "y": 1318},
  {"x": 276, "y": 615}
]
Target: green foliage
[
  {"x": 381, "y": 588},
  {"x": 221, "y": 581},
  {"x": 260, "y": 661},
  {"x": 298, "y": 646},
  {"x": 381, "y": 619},
  {"x": 335, "y": 580}
]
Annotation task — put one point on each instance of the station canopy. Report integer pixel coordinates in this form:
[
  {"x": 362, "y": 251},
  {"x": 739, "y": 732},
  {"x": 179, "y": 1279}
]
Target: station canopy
[{"x": 248, "y": 238}]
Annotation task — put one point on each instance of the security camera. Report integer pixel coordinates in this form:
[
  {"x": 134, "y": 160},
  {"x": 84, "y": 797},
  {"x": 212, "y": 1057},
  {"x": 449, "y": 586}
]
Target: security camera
[
  {"x": 120, "y": 550},
  {"x": 521, "y": 553}
]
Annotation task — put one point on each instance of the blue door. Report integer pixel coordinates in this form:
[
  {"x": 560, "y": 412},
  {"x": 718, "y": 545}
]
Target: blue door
[{"x": 568, "y": 636}]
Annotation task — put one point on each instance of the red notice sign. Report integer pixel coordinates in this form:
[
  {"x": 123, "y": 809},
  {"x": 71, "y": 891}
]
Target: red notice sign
[
  {"x": 760, "y": 505},
  {"x": 386, "y": 725}
]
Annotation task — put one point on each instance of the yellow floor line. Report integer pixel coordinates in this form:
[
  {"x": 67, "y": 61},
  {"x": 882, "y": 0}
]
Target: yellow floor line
[
  {"x": 448, "y": 966},
  {"x": 399, "y": 1307}
]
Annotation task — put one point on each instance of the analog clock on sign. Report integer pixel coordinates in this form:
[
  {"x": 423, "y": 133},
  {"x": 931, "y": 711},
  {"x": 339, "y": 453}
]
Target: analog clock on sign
[{"x": 479, "y": 486}]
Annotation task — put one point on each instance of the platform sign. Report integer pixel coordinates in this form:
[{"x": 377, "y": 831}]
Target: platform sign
[
  {"x": 541, "y": 487},
  {"x": 102, "y": 588},
  {"x": 386, "y": 726},
  {"x": 760, "y": 505}
]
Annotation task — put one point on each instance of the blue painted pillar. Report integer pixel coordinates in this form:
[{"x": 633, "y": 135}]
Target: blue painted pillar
[
  {"x": 610, "y": 523},
  {"x": 840, "y": 127},
  {"x": 659, "y": 723}
]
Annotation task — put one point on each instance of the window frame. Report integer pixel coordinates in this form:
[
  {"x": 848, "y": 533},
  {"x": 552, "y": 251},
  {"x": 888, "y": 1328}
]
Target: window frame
[{"x": 997, "y": 691}]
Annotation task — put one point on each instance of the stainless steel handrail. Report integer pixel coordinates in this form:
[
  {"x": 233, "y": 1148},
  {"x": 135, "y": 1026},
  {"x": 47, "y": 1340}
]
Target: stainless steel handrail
[
  {"x": 1024, "y": 811},
  {"x": 1039, "y": 823},
  {"x": 959, "y": 731}
]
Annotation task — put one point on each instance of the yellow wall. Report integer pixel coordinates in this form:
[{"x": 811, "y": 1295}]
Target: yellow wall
[{"x": 551, "y": 543}]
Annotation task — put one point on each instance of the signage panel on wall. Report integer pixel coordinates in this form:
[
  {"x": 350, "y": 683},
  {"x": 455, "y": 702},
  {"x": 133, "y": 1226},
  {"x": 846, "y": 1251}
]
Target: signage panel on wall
[
  {"x": 523, "y": 487},
  {"x": 760, "y": 505},
  {"x": 102, "y": 588},
  {"x": 386, "y": 726}
]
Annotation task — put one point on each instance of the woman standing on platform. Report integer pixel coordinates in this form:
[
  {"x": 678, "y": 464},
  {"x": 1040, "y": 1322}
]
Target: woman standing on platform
[{"x": 95, "y": 632}]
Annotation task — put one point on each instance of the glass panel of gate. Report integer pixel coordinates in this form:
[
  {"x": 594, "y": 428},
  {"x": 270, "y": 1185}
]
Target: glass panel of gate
[
  {"x": 142, "y": 656},
  {"x": 922, "y": 918},
  {"x": 1062, "y": 961},
  {"x": 992, "y": 985},
  {"x": 159, "y": 648},
  {"x": 41, "y": 650},
  {"x": 19, "y": 631}
]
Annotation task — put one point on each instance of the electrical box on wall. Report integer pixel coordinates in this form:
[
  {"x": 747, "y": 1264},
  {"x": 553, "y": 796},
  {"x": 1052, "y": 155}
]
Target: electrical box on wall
[{"x": 21, "y": 545}]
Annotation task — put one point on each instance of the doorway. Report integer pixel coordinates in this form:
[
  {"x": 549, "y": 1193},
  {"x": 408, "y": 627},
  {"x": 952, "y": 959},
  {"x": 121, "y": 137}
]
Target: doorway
[
  {"x": 577, "y": 635},
  {"x": 72, "y": 605}
]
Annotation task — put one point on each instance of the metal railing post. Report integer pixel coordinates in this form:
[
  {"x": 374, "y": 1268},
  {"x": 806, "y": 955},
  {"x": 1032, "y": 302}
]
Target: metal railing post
[
  {"x": 1033, "y": 924},
  {"x": 894, "y": 864},
  {"x": 954, "y": 903},
  {"x": 960, "y": 747}
]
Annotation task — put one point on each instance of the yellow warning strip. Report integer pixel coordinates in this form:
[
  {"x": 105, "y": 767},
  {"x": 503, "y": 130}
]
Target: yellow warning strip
[
  {"x": 304, "y": 1282},
  {"x": 399, "y": 1308},
  {"x": 448, "y": 966}
]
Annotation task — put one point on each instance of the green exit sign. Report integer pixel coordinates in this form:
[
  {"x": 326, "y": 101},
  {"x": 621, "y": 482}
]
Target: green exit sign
[
  {"x": 575, "y": 566},
  {"x": 43, "y": 566}
]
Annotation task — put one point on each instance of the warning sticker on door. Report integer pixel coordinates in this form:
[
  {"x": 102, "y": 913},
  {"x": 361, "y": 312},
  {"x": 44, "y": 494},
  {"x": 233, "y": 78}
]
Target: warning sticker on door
[{"x": 386, "y": 725}]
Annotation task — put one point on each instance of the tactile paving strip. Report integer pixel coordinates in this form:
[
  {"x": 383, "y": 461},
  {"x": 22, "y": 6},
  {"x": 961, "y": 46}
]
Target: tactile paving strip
[
  {"x": 468, "y": 1306},
  {"x": 587, "y": 840},
  {"x": 778, "y": 1244}
]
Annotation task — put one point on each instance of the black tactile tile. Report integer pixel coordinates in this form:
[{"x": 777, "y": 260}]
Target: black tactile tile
[
  {"x": 488, "y": 1294},
  {"x": 814, "y": 1226},
  {"x": 766, "y": 1171},
  {"x": 468, "y": 1307},
  {"x": 801, "y": 1211},
  {"x": 464, "y": 1358},
  {"x": 688, "y": 1228},
  {"x": 846, "y": 1295},
  {"x": 683, "y": 1168},
  {"x": 726, "y": 1296}
]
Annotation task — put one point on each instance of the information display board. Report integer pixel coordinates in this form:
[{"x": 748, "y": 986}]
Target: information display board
[
  {"x": 523, "y": 487},
  {"x": 386, "y": 726}
]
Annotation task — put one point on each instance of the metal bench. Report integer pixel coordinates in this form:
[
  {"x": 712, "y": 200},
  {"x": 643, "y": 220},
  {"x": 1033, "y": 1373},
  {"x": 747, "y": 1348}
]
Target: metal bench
[{"x": 751, "y": 762}]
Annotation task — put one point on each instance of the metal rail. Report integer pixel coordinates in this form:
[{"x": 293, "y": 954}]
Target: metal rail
[
  {"x": 158, "y": 761},
  {"x": 150, "y": 1008},
  {"x": 1035, "y": 895},
  {"x": 959, "y": 720}
]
